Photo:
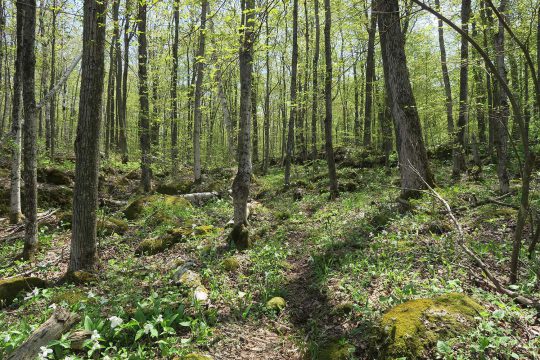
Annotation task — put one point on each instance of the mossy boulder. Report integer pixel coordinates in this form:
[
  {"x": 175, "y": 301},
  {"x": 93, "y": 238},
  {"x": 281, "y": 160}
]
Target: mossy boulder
[
  {"x": 80, "y": 277},
  {"x": 231, "y": 264},
  {"x": 153, "y": 246},
  {"x": 70, "y": 297},
  {"x": 136, "y": 208},
  {"x": 10, "y": 288},
  {"x": 335, "y": 350},
  {"x": 111, "y": 225},
  {"x": 195, "y": 356},
  {"x": 57, "y": 196},
  {"x": 414, "y": 326},
  {"x": 54, "y": 176},
  {"x": 175, "y": 188},
  {"x": 203, "y": 230},
  {"x": 188, "y": 278},
  {"x": 276, "y": 304}
]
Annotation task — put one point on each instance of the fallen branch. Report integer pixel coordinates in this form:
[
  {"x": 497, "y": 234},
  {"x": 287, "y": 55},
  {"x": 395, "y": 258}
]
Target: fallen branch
[
  {"x": 60, "y": 322},
  {"x": 60, "y": 82},
  {"x": 200, "y": 198},
  {"x": 18, "y": 228},
  {"x": 496, "y": 283}
]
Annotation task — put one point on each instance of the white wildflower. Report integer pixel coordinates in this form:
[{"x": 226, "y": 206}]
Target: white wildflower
[
  {"x": 159, "y": 318},
  {"x": 45, "y": 352},
  {"x": 241, "y": 294},
  {"x": 96, "y": 346},
  {"x": 7, "y": 338},
  {"x": 32, "y": 294},
  {"x": 148, "y": 327},
  {"x": 95, "y": 336},
  {"x": 115, "y": 321},
  {"x": 91, "y": 294},
  {"x": 201, "y": 295},
  {"x": 52, "y": 306}
]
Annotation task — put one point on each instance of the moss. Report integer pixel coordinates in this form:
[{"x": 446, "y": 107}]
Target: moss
[
  {"x": 153, "y": 246},
  {"x": 204, "y": 230},
  {"x": 231, "y": 264},
  {"x": 10, "y": 288},
  {"x": 55, "y": 196},
  {"x": 239, "y": 236},
  {"x": 179, "y": 234},
  {"x": 276, "y": 303},
  {"x": 335, "y": 350},
  {"x": 189, "y": 279},
  {"x": 344, "y": 308},
  {"x": 195, "y": 356},
  {"x": 412, "y": 327},
  {"x": 136, "y": 208},
  {"x": 176, "y": 188},
  {"x": 110, "y": 226},
  {"x": 54, "y": 177},
  {"x": 283, "y": 215},
  {"x": 70, "y": 297}
]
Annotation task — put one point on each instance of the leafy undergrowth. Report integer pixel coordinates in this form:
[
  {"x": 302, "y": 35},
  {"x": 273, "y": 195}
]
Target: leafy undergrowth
[{"x": 338, "y": 265}]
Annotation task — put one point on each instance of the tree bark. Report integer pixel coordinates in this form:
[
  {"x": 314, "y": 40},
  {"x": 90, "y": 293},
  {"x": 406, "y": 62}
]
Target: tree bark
[
  {"x": 52, "y": 103},
  {"x": 266, "y": 138},
  {"x": 197, "y": 117},
  {"x": 85, "y": 194},
  {"x": 174, "y": 90},
  {"x": 370, "y": 77},
  {"x": 28, "y": 9},
  {"x": 123, "y": 112},
  {"x": 144, "y": 113},
  {"x": 329, "y": 147},
  {"x": 15, "y": 214},
  {"x": 315, "y": 99},
  {"x": 413, "y": 162},
  {"x": 294, "y": 105},
  {"x": 241, "y": 183},
  {"x": 459, "y": 147}
]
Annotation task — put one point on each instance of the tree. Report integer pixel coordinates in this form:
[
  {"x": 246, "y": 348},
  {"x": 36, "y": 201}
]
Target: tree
[
  {"x": 144, "y": 113},
  {"x": 266, "y": 137},
  {"x": 174, "y": 89},
  {"x": 413, "y": 161},
  {"x": 85, "y": 194},
  {"x": 197, "y": 117},
  {"x": 15, "y": 214},
  {"x": 28, "y": 67},
  {"x": 294, "y": 105},
  {"x": 329, "y": 147},
  {"x": 459, "y": 147},
  {"x": 370, "y": 77},
  {"x": 315, "y": 98},
  {"x": 240, "y": 187}
]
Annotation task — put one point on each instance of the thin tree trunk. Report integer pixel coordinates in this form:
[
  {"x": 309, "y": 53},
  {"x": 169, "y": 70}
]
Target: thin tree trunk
[
  {"x": 370, "y": 77},
  {"x": 315, "y": 99},
  {"x": 85, "y": 194},
  {"x": 52, "y": 114},
  {"x": 446, "y": 79},
  {"x": 356, "y": 104},
  {"x": 123, "y": 113},
  {"x": 254, "y": 116},
  {"x": 174, "y": 91},
  {"x": 15, "y": 214},
  {"x": 266, "y": 138},
  {"x": 144, "y": 113},
  {"x": 197, "y": 117},
  {"x": 459, "y": 148},
  {"x": 28, "y": 59},
  {"x": 240, "y": 187},
  {"x": 294, "y": 105},
  {"x": 329, "y": 147}
]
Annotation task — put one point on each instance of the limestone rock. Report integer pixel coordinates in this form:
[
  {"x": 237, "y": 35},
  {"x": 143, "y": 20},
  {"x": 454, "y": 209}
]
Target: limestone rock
[{"x": 277, "y": 304}]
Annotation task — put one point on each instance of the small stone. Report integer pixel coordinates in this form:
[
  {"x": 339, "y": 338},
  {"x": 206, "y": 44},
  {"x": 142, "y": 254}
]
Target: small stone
[
  {"x": 277, "y": 304},
  {"x": 200, "y": 293},
  {"x": 188, "y": 278}
]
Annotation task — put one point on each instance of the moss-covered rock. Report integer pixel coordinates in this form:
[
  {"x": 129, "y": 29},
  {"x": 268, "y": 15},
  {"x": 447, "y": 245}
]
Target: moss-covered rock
[
  {"x": 276, "y": 303},
  {"x": 335, "y": 350},
  {"x": 414, "y": 326},
  {"x": 195, "y": 356},
  {"x": 111, "y": 225},
  {"x": 189, "y": 279},
  {"x": 55, "y": 196},
  {"x": 175, "y": 188},
  {"x": 231, "y": 264},
  {"x": 203, "y": 230},
  {"x": 70, "y": 297},
  {"x": 10, "y": 288},
  {"x": 54, "y": 176},
  {"x": 80, "y": 277},
  {"x": 154, "y": 246}
]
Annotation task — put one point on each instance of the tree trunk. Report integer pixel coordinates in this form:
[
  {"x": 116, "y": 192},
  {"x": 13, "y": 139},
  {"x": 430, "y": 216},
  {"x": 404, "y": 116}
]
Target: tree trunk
[
  {"x": 144, "y": 113},
  {"x": 459, "y": 147},
  {"x": 255, "y": 137},
  {"x": 123, "y": 112},
  {"x": 294, "y": 105},
  {"x": 52, "y": 102},
  {"x": 240, "y": 187},
  {"x": 266, "y": 138},
  {"x": 15, "y": 214},
  {"x": 446, "y": 79},
  {"x": 356, "y": 104},
  {"x": 28, "y": 59},
  {"x": 174, "y": 91},
  {"x": 85, "y": 193},
  {"x": 480, "y": 97},
  {"x": 197, "y": 117},
  {"x": 329, "y": 147},
  {"x": 412, "y": 154},
  {"x": 370, "y": 77},
  {"x": 315, "y": 99},
  {"x": 501, "y": 110}
]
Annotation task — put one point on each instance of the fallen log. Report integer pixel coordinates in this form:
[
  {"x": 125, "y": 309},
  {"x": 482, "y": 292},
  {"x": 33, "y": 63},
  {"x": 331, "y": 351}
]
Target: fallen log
[
  {"x": 60, "y": 322},
  {"x": 198, "y": 199}
]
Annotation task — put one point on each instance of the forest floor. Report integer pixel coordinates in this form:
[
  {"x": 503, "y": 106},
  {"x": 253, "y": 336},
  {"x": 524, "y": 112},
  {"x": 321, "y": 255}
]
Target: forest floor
[{"x": 338, "y": 265}]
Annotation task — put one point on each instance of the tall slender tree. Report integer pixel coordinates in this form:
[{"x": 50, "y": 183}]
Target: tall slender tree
[
  {"x": 240, "y": 187},
  {"x": 294, "y": 105},
  {"x": 174, "y": 89},
  {"x": 199, "y": 72},
  {"x": 370, "y": 77},
  {"x": 329, "y": 146},
  {"x": 315, "y": 96},
  {"x": 85, "y": 195},
  {"x": 28, "y": 68},
  {"x": 446, "y": 78},
  {"x": 144, "y": 113}
]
